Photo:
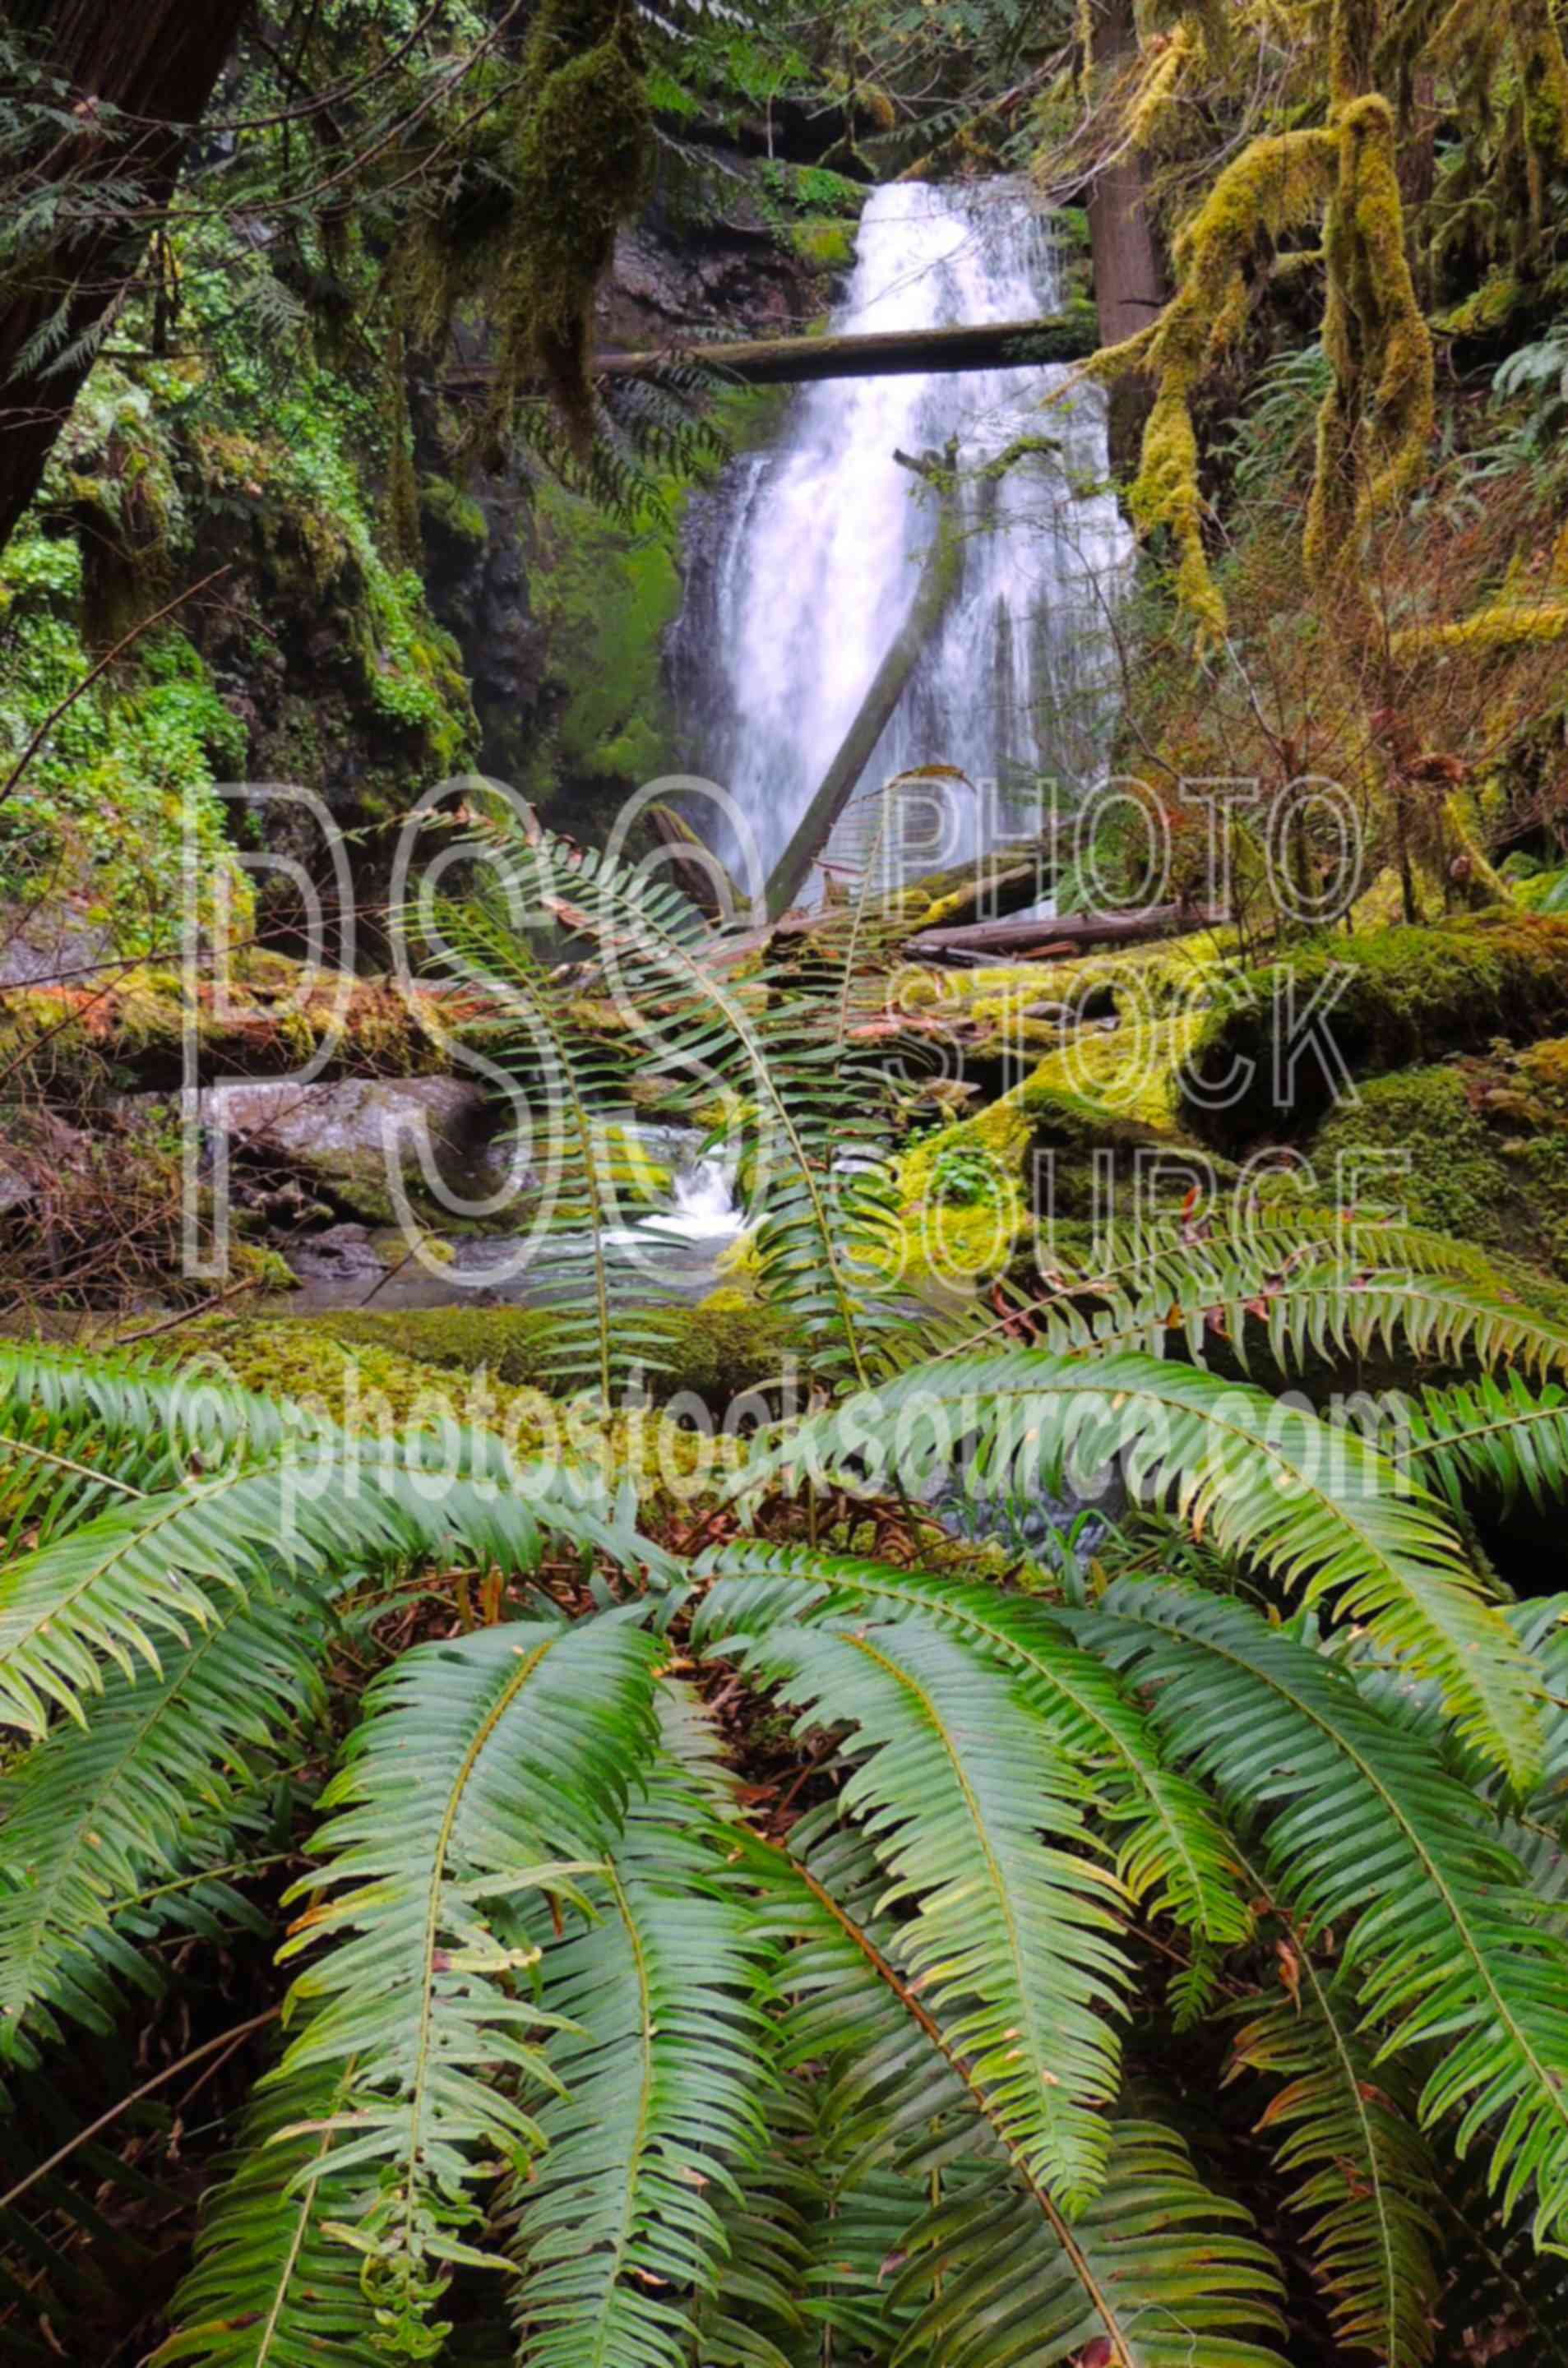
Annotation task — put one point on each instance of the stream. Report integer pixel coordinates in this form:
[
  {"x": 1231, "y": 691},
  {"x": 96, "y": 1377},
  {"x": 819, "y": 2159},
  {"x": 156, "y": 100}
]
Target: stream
[{"x": 675, "y": 1253}]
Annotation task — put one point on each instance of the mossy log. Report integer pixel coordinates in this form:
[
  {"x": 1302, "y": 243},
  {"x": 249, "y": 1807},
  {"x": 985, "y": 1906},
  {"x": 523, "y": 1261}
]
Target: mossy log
[
  {"x": 895, "y": 353},
  {"x": 1278, "y": 1051},
  {"x": 1073, "y": 933}
]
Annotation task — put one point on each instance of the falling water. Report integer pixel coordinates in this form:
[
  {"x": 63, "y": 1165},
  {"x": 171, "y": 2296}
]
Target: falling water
[{"x": 796, "y": 590}]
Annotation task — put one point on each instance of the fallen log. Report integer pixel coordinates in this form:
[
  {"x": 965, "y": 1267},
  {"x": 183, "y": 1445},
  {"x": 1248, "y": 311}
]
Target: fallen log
[
  {"x": 938, "y": 584},
  {"x": 887, "y": 353},
  {"x": 1066, "y": 934}
]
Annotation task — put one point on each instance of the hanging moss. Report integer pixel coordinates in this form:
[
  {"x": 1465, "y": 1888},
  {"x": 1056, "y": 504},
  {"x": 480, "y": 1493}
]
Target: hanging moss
[
  {"x": 1272, "y": 188},
  {"x": 1376, "y": 422},
  {"x": 580, "y": 167}
]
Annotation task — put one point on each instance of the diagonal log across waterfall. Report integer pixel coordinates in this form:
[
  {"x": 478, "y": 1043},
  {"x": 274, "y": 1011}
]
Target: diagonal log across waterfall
[{"x": 896, "y": 353}]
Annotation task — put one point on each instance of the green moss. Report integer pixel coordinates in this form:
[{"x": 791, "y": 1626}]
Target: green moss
[
  {"x": 829, "y": 245},
  {"x": 718, "y": 1352},
  {"x": 264, "y": 1025},
  {"x": 1409, "y": 997},
  {"x": 1457, "y": 1181},
  {"x": 1130, "y": 1072},
  {"x": 605, "y": 598},
  {"x": 451, "y": 516}
]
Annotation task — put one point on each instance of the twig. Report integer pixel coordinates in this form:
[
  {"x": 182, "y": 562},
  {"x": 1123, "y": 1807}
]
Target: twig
[
  {"x": 188, "y": 1315},
  {"x": 170, "y": 2072}
]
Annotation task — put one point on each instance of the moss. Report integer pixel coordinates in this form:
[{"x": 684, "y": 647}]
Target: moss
[
  {"x": 605, "y": 598},
  {"x": 717, "y": 1351},
  {"x": 1408, "y": 996},
  {"x": 452, "y": 517},
  {"x": 961, "y": 1201},
  {"x": 1456, "y": 1183},
  {"x": 1508, "y": 626},
  {"x": 1484, "y": 1161},
  {"x": 1129, "y": 1072},
  {"x": 580, "y": 163},
  {"x": 368, "y": 1385},
  {"x": 264, "y": 1024},
  {"x": 829, "y": 245},
  {"x": 1272, "y": 189}
]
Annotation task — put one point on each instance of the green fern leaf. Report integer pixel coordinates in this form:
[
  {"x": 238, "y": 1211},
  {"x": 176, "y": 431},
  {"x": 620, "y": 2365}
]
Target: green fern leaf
[
  {"x": 1156, "y": 2274},
  {"x": 1356, "y": 2164},
  {"x": 1172, "y": 1858},
  {"x": 956, "y": 1782},
  {"x": 150, "y": 1788},
  {"x": 1321, "y": 1507},
  {"x": 271, "y": 2287},
  {"x": 482, "y": 1772},
  {"x": 618, "y": 2234},
  {"x": 1367, "y": 1833}
]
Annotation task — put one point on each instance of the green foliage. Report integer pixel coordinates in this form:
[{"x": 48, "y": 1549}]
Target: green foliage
[{"x": 577, "y": 2018}]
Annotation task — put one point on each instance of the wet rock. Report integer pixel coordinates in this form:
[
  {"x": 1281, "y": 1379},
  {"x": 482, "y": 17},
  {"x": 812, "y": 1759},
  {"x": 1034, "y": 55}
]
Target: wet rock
[
  {"x": 353, "y": 1142},
  {"x": 336, "y": 1253}
]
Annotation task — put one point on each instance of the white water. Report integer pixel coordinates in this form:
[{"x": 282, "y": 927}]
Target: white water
[
  {"x": 817, "y": 551},
  {"x": 703, "y": 1202}
]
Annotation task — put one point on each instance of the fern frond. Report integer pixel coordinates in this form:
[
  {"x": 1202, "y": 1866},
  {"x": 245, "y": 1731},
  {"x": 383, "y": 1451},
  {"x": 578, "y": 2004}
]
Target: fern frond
[
  {"x": 1369, "y": 1835},
  {"x": 1156, "y": 2274},
  {"x": 1355, "y": 2162},
  {"x": 482, "y": 1772},
  {"x": 272, "y": 2286},
  {"x": 1322, "y": 1508},
  {"x": 1201, "y": 1295},
  {"x": 956, "y": 1782},
  {"x": 1173, "y": 1856},
  {"x": 999, "y": 2271},
  {"x": 568, "y": 1083},
  {"x": 1493, "y": 1435},
  {"x": 618, "y": 2235},
  {"x": 151, "y": 1788},
  {"x": 110, "y": 1590},
  {"x": 780, "y": 1061}
]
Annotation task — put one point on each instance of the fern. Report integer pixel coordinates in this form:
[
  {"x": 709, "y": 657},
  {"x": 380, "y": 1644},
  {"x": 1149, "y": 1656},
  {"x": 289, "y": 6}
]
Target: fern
[
  {"x": 152, "y": 1789},
  {"x": 1323, "y": 1510},
  {"x": 482, "y": 1772},
  {"x": 657, "y": 1993},
  {"x": 1172, "y": 1856},
  {"x": 1375, "y": 1838}
]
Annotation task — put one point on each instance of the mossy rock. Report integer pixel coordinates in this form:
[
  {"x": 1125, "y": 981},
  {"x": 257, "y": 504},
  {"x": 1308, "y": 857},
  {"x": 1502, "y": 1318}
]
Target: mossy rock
[
  {"x": 605, "y": 597},
  {"x": 1477, "y": 1151},
  {"x": 1395, "y": 998},
  {"x": 368, "y": 1385},
  {"x": 454, "y": 524}
]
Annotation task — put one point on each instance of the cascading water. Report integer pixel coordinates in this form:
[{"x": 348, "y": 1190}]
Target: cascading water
[{"x": 797, "y": 587}]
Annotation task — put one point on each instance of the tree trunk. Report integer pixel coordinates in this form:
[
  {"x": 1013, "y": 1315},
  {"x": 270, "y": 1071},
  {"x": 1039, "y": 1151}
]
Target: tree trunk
[
  {"x": 1070, "y": 934},
  {"x": 155, "y": 61},
  {"x": 1130, "y": 286},
  {"x": 938, "y": 584},
  {"x": 897, "y": 353}
]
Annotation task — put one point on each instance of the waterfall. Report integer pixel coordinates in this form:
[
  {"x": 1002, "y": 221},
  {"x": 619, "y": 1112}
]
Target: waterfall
[{"x": 802, "y": 571}]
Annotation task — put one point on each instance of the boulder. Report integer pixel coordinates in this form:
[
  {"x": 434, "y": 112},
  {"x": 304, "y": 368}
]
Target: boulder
[
  {"x": 1273, "y": 1055},
  {"x": 347, "y": 1140}
]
